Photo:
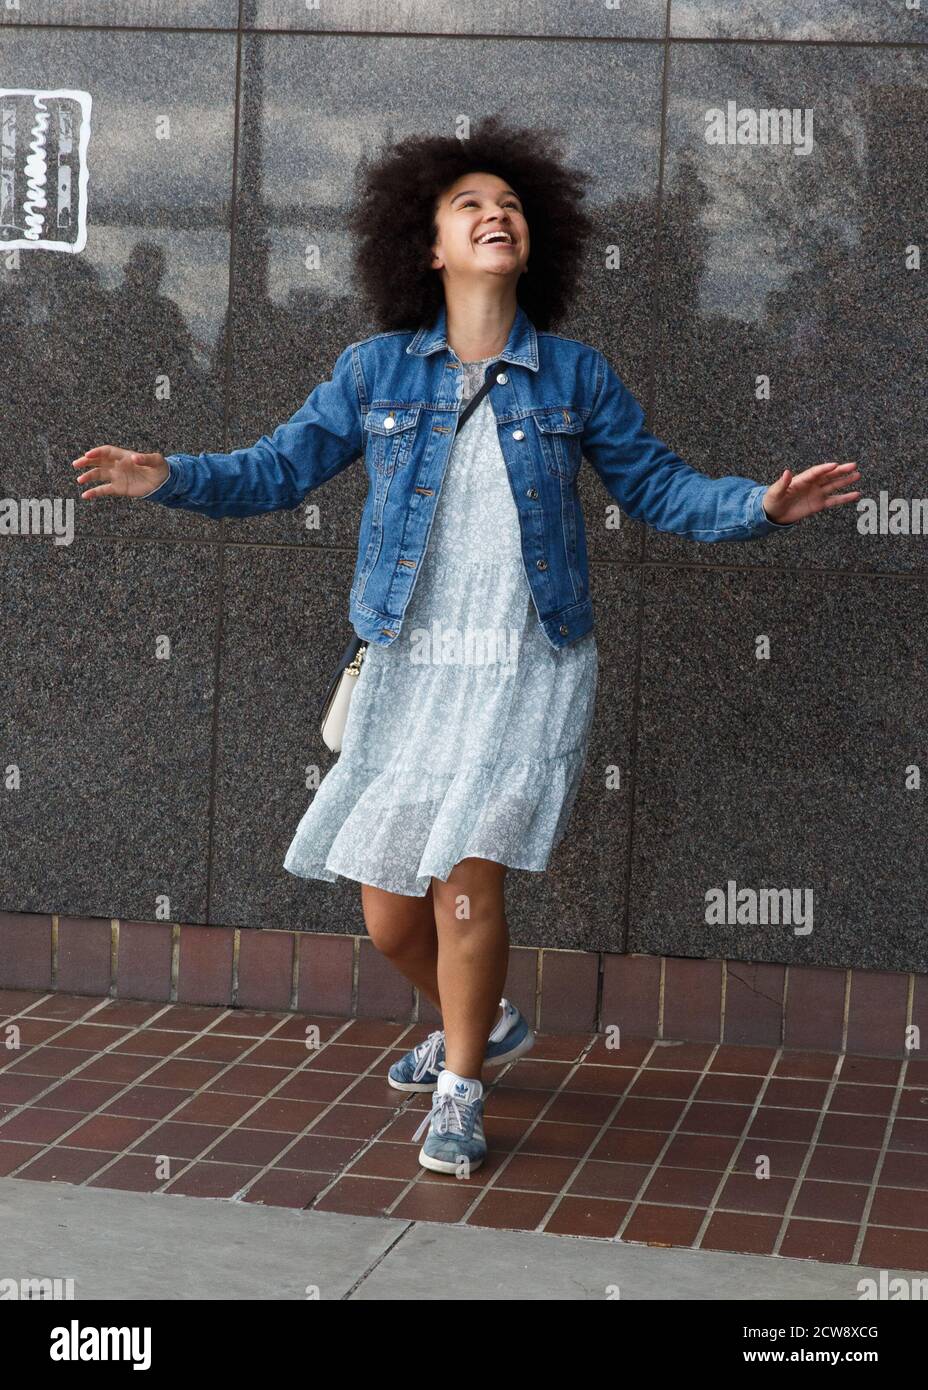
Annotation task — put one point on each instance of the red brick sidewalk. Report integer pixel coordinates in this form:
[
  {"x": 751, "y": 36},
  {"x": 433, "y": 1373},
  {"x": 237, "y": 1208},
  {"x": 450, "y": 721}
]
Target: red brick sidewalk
[{"x": 656, "y": 1143}]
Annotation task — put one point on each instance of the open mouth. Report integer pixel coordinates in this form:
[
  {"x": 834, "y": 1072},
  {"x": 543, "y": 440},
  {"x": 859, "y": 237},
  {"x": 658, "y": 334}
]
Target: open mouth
[{"x": 495, "y": 239}]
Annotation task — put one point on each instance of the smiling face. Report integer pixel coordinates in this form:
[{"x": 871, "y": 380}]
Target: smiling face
[{"x": 481, "y": 230}]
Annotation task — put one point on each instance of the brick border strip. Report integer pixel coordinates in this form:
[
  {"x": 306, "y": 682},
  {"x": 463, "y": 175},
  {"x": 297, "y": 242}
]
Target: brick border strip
[{"x": 667, "y": 997}]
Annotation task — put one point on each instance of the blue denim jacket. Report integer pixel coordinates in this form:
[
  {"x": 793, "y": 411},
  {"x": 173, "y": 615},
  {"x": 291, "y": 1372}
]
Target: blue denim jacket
[{"x": 393, "y": 400}]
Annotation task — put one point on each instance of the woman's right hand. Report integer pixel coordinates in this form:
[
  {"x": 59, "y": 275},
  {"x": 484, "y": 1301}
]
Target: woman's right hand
[{"x": 120, "y": 472}]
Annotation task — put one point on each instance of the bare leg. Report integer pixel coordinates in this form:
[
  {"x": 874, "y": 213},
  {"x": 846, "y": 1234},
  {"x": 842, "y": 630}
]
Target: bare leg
[
  {"x": 402, "y": 927},
  {"x": 473, "y": 956}
]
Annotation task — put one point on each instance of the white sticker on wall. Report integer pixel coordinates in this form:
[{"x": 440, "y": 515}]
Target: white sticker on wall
[{"x": 43, "y": 168}]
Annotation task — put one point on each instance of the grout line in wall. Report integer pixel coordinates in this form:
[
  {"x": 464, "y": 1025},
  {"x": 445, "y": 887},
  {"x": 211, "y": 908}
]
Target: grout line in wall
[
  {"x": 236, "y": 942},
  {"x": 175, "y": 962},
  {"x": 54, "y": 951},
  {"x": 846, "y": 1011},
  {"x": 600, "y": 989},
  {"x": 114, "y": 955},
  {"x": 660, "y": 998},
  {"x": 466, "y": 36},
  {"x": 294, "y": 972},
  {"x": 539, "y": 984},
  {"x": 355, "y": 974}
]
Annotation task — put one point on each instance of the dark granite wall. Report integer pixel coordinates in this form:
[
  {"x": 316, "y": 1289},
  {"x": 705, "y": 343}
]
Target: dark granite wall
[{"x": 161, "y": 671}]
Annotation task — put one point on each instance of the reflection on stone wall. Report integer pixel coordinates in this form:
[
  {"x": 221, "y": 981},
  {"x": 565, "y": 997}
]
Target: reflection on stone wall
[{"x": 175, "y": 276}]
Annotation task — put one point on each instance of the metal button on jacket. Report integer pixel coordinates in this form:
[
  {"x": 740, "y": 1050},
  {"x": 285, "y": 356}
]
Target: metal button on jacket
[
  {"x": 531, "y": 492},
  {"x": 541, "y": 564},
  {"x": 518, "y": 434},
  {"x": 563, "y": 629},
  {"x": 502, "y": 379},
  {"x": 389, "y": 422}
]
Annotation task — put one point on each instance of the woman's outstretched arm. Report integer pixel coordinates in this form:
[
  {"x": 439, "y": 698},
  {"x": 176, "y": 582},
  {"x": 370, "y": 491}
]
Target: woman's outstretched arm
[
  {"x": 654, "y": 485},
  {"x": 319, "y": 441}
]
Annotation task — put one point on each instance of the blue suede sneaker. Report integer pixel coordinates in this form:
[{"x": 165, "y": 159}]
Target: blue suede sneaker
[
  {"x": 420, "y": 1068},
  {"x": 455, "y": 1142}
]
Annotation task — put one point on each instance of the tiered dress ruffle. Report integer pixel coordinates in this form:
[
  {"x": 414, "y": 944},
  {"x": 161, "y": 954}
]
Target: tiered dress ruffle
[{"x": 467, "y": 735}]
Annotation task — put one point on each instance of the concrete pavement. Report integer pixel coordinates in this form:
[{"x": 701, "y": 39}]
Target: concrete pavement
[{"x": 128, "y": 1245}]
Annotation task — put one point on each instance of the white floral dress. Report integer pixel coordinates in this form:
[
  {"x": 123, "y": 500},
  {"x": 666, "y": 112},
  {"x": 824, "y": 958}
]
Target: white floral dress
[{"x": 466, "y": 735}]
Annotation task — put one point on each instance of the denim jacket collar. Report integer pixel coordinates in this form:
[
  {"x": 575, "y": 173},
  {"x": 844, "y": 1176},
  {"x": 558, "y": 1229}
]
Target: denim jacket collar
[{"x": 521, "y": 346}]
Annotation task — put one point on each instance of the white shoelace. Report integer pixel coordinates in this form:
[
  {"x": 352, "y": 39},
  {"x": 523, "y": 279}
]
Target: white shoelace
[
  {"x": 426, "y": 1053},
  {"x": 448, "y": 1116}
]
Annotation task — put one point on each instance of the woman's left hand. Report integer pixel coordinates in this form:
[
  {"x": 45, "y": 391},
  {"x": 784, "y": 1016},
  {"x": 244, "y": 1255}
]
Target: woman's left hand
[{"x": 791, "y": 498}]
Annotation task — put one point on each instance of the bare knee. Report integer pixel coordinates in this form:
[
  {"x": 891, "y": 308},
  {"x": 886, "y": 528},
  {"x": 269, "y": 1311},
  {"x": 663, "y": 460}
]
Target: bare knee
[
  {"x": 399, "y": 925},
  {"x": 473, "y": 893}
]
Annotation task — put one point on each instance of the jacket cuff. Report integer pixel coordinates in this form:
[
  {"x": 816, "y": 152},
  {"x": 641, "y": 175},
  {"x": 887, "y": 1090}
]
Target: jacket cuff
[
  {"x": 763, "y": 522},
  {"x": 171, "y": 485}
]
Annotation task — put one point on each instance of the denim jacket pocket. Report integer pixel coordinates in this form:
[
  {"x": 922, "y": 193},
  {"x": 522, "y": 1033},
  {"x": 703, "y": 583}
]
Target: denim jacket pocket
[
  {"x": 389, "y": 433},
  {"x": 560, "y": 432}
]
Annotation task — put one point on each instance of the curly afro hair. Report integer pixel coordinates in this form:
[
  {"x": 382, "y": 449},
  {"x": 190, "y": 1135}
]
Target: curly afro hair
[{"x": 392, "y": 218}]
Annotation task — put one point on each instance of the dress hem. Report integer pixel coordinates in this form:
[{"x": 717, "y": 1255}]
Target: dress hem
[{"x": 322, "y": 873}]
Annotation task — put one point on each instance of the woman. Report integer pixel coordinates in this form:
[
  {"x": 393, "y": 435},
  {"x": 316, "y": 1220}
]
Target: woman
[{"x": 469, "y": 724}]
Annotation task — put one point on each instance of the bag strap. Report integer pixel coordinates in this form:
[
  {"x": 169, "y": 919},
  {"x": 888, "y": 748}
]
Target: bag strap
[{"x": 475, "y": 400}]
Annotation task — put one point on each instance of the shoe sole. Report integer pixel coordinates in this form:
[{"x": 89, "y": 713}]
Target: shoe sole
[
  {"x": 526, "y": 1045},
  {"x": 411, "y": 1085},
  {"x": 420, "y": 1087},
  {"x": 441, "y": 1165}
]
